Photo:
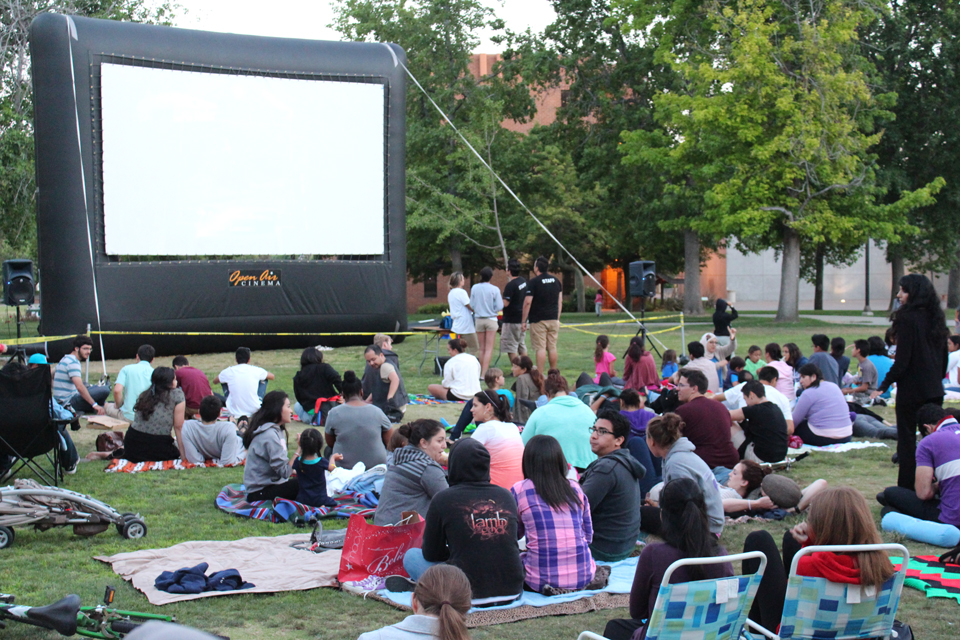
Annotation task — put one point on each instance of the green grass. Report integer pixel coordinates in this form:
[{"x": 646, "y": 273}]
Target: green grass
[{"x": 179, "y": 506}]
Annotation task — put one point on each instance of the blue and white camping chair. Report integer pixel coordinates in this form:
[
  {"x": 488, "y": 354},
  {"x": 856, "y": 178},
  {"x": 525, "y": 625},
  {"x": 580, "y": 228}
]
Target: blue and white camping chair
[
  {"x": 713, "y": 609},
  {"x": 816, "y": 608}
]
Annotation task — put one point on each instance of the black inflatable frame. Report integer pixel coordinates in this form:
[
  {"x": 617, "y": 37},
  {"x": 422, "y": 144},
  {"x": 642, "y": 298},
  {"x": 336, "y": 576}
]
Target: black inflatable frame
[{"x": 339, "y": 295}]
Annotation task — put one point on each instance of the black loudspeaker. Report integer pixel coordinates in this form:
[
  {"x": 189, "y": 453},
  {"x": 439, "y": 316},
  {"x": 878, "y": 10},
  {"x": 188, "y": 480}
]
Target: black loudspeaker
[
  {"x": 643, "y": 279},
  {"x": 17, "y": 282}
]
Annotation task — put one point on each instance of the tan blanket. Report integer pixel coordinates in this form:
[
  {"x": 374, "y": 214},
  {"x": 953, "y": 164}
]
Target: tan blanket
[{"x": 269, "y": 563}]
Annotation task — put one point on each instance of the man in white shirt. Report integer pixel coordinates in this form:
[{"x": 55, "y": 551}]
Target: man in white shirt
[{"x": 243, "y": 385}]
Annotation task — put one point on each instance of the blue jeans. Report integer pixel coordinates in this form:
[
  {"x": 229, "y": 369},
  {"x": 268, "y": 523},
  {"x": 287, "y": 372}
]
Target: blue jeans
[
  {"x": 415, "y": 565},
  {"x": 99, "y": 394},
  {"x": 869, "y": 427},
  {"x": 301, "y": 414}
]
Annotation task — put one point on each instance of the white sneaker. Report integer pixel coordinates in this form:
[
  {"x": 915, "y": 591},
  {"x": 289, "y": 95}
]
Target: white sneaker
[{"x": 365, "y": 586}]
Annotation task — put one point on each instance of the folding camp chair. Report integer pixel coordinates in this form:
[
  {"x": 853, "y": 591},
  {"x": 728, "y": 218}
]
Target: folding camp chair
[
  {"x": 27, "y": 430},
  {"x": 818, "y": 608},
  {"x": 714, "y": 609}
]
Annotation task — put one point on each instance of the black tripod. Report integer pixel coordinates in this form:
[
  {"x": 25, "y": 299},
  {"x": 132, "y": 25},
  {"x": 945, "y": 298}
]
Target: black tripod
[
  {"x": 18, "y": 352},
  {"x": 642, "y": 331}
]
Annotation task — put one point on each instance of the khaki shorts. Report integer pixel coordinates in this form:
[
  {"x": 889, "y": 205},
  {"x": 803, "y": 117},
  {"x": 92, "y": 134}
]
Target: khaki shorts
[
  {"x": 486, "y": 324},
  {"x": 543, "y": 335},
  {"x": 471, "y": 340},
  {"x": 511, "y": 339}
]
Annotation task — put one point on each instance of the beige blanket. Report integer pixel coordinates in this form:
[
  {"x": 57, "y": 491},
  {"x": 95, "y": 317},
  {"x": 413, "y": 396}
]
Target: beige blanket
[{"x": 269, "y": 563}]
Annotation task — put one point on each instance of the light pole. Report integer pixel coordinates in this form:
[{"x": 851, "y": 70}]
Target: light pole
[{"x": 866, "y": 283}]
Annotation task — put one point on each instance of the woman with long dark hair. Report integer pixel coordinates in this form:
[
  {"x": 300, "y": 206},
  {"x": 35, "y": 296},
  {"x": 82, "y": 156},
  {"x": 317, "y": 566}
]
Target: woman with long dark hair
[
  {"x": 267, "y": 471},
  {"x": 528, "y": 388},
  {"x": 920, "y": 330},
  {"x": 415, "y": 475},
  {"x": 639, "y": 367},
  {"x": 555, "y": 517},
  {"x": 315, "y": 381},
  {"x": 497, "y": 432},
  {"x": 158, "y": 412},
  {"x": 686, "y": 534},
  {"x": 356, "y": 429}
]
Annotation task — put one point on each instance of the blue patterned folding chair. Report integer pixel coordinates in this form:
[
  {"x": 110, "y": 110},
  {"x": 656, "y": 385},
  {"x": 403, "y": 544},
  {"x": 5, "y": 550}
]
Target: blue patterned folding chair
[
  {"x": 704, "y": 609},
  {"x": 816, "y": 608}
]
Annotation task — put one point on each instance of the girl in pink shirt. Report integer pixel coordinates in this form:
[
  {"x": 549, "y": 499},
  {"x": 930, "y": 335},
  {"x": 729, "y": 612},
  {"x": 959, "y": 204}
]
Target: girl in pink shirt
[{"x": 603, "y": 359}]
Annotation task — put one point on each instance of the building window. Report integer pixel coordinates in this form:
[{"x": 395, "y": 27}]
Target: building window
[
  {"x": 564, "y": 97},
  {"x": 430, "y": 287}
]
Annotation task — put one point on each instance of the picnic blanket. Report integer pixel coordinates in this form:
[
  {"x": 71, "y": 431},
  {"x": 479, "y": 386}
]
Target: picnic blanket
[
  {"x": 836, "y": 448},
  {"x": 233, "y": 499},
  {"x": 535, "y": 605},
  {"x": 271, "y": 564},
  {"x": 121, "y": 465},
  {"x": 422, "y": 398},
  {"x": 936, "y": 579}
]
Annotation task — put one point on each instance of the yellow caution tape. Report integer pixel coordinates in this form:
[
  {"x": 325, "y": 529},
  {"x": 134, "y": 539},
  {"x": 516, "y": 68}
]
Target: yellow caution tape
[
  {"x": 227, "y": 333},
  {"x": 40, "y": 340}
]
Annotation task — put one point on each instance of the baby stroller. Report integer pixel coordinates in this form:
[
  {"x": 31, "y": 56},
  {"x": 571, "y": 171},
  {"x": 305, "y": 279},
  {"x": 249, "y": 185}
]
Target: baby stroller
[{"x": 28, "y": 502}]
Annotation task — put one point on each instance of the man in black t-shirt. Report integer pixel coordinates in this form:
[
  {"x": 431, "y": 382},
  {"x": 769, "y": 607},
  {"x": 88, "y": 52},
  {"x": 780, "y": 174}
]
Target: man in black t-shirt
[
  {"x": 764, "y": 429},
  {"x": 511, "y": 333},
  {"x": 541, "y": 308}
]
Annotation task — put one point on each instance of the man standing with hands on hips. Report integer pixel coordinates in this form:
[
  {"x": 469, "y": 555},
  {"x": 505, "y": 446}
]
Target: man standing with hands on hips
[{"x": 541, "y": 308}]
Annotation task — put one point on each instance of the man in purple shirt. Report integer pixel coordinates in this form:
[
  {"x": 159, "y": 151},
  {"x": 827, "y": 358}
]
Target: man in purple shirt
[
  {"x": 194, "y": 383},
  {"x": 938, "y": 470}
]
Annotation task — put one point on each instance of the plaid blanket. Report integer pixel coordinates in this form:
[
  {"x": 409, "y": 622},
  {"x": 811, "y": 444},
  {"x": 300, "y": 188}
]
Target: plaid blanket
[
  {"x": 421, "y": 398},
  {"x": 125, "y": 466},
  {"x": 935, "y": 578},
  {"x": 233, "y": 499}
]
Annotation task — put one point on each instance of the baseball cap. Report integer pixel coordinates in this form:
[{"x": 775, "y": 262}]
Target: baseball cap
[{"x": 38, "y": 358}]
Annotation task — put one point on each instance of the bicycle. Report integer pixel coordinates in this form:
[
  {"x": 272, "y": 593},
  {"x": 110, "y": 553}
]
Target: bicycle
[{"x": 67, "y": 617}]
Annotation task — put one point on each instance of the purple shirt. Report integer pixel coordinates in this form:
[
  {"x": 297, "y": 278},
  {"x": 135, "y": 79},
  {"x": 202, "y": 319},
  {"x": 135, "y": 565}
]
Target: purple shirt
[
  {"x": 825, "y": 410},
  {"x": 638, "y": 421},
  {"x": 941, "y": 450},
  {"x": 558, "y": 542}
]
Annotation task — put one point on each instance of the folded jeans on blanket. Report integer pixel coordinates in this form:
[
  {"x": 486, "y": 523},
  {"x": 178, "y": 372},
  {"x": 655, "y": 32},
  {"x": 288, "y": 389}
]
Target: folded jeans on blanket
[{"x": 195, "y": 580}]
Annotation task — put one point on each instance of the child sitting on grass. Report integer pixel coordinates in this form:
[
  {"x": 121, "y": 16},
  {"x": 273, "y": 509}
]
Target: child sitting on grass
[
  {"x": 669, "y": 365},
  {"x": 311, "y": 468}
]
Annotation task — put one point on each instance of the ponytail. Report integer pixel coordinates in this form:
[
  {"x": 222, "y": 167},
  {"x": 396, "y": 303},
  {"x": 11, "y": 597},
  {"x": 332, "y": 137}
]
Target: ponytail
[
  {"x": 685, "y": 526},
  {"x": 602, "y": 343},
  {"x": 444, "y": 591}
]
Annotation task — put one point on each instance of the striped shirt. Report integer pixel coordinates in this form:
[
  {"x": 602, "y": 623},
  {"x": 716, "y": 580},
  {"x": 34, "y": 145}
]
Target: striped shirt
[
  {"x": 67, "y": 369},
  {"x": 941, "y": 450},
  {"x": 558, "y": 542}
]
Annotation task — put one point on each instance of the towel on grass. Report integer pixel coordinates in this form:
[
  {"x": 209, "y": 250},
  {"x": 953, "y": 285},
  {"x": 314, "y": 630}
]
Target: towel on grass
[
  {"x": 121, "y": 465},
  {"x": 836, "y": 448},
  {"x": 936, "y": 579},
  {"x": 271, "y": 563},
  {"x": 233, "y": 499}
]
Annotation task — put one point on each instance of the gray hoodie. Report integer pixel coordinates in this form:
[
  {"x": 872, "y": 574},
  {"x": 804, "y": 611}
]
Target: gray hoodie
[
  {"x": 267, "y": 461},
  {"x": 410, "y": 484},
  {"x": 682, "y": 462},
  {"x": 612, "y": 486}
]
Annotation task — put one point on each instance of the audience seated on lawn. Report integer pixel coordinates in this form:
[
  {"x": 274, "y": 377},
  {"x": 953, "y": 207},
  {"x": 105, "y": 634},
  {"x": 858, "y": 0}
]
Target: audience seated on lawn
[
  {"x": 209, "y": 438},
  {"x": 376, "y": 385},
  {"x": 881, "y": 361},
  {"x": 837, "y": 347},
  {"x": 68, "y": 387},
  {"x": 528, "y": 388},
  {"x": 357, "y": 430},
  {"x": 555, "y": 518},
  {"x": 952, "y": 380},
  {"x": 440, "y": 603},
  {"x": 500, "y": 436},
  {"x": 194, "y": 383},
  {"x": 821, "y": 357},
  {"x": 838, "y": 516},
  {"x": 768, "y": 376},
  {"x": 866, "y": 424},
  {"x": 611, "y": 484},
  {"x": 665, "y": 440},
  {"x": 158, "y": 413},
  {"x": 706, "y": 366},
  {"x": 718, "y": 354},
  {"x": 821, "y": 416},
  {"x": 495, "y": 381},
  {"x": 632, "y": 405},
  {"x": 687, "y": 533},
  {"x": 773, "y": 354},
  {"x": 639, "y": 367},
  {"x": 938, "y": 472},
  {"x": 415, "y": 476},
  {"x": 311, "y": 470},
  {"x": 315, "y": 381},
  {"x": 461, "y": 374},
  {"x": 267, "y": 473},
  {"x": 473, "y": 526},
  {"x": 243, "y": 383},
  {"x": 707, "y": 423},
  {"x": 566, "y": 418},
  {"x": 132, "y": 380},
  {"x": 754, "y": 361},
  {"x": 762, "y": 434}
]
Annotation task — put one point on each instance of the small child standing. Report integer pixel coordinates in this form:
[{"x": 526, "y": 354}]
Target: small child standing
[
  {"x": 603, "y": 359},
  {"x": 669, "y": 366},
  {"x": 311, "y": 470}
]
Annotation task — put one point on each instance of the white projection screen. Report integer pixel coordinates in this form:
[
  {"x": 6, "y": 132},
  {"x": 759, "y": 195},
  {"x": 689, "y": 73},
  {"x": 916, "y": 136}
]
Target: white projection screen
[{"x": 207, "y": 164}]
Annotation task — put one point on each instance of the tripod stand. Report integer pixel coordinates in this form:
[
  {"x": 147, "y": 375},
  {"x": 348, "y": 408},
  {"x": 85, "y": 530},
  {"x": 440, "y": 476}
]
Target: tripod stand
[
  {"x": 642, "y": 331},
  {"x": 18, "y": 352}
]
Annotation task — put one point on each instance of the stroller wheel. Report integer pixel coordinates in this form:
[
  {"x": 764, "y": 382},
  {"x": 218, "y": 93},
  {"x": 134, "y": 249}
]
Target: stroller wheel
[
  {"x": 134, "y": 528},
  {"x": 6, "y": 537}
]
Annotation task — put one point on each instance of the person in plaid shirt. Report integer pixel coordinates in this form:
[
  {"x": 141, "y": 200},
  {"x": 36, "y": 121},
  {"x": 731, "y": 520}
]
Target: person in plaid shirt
[{"x": 555, "y": 516}]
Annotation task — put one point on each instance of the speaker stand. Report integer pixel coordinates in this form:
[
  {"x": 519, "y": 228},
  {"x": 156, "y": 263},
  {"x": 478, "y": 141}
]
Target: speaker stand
[
  {"x": 18, "y": 352},
  {"x": 642, "y": 330}
]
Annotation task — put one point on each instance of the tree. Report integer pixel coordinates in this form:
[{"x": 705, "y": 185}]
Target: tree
[
  {"x": 18, "y": 188},
  {"x": 778, "y": 123},
  {"x": 914, "y": 49}
]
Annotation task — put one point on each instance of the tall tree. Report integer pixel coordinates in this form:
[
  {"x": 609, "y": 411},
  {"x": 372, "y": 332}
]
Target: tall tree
[{"x": 778, "y": 123}]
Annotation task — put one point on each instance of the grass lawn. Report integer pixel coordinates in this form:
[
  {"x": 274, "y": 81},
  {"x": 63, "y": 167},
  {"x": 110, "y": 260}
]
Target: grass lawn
[{"x": 179, "y": 506}]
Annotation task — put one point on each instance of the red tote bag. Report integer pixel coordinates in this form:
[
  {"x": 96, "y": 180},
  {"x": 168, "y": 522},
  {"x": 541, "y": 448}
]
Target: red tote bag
[{"x": 372, "y": 550}]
